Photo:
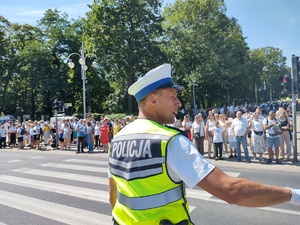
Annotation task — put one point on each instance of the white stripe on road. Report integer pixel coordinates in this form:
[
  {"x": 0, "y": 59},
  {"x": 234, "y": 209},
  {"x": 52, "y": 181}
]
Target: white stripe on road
[
  {"x": 232, "y": 174},
  {"x": 92, "y": 179},
  {"x": 97, "y": 195},
  {"x": 37, "y": 157},
  {"x": 86, "y": 161},
  {"x": 62, "y": 175},
  {"x": 76, "y": 167},
  {"x": 13, "y": 161},
  {"x": 53, "y": 211},
  {"x": 79, "y": 192}
]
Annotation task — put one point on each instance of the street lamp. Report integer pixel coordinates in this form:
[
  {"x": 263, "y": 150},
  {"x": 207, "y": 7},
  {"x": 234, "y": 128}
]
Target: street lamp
[{"x": 83, "y": 74}]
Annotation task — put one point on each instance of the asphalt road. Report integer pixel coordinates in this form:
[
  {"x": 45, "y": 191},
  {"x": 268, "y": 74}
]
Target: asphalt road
[{"x": 61, "y": 187}]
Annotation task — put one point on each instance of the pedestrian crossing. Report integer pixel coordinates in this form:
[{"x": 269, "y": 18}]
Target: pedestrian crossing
[{"x": 36, "y": 190}]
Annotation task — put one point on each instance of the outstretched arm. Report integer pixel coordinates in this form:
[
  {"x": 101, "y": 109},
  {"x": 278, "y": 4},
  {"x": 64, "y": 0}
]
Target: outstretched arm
[{"x": 243, "y": 192}]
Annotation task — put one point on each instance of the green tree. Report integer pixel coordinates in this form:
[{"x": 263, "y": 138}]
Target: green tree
[
  {"x": 125, "y": 35},
  {"x": 267, "y": 65},
  {"x": 207, "y": 48}
]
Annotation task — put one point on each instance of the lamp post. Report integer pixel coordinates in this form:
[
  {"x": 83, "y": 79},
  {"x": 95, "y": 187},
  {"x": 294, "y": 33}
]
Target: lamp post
[{"x": 83, "y": 74}]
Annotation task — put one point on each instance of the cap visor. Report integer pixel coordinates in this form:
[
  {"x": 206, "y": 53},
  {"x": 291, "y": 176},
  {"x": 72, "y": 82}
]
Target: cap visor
[{"x": 177, "y": 87}]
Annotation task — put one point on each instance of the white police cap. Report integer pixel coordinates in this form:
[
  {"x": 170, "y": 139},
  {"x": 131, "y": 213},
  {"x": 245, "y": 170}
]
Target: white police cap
[{"x": 159, "y": 77}]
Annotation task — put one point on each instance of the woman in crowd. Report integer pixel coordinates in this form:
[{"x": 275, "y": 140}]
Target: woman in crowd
[
  {"x": 97, "y": 135},
  {"x": 258, "y": 145},
  {"x": 36, "y": 135},
  {"x": 248, "y": 115},
  {"x": 104, "y": 137},
  {"x": 187, "y": 125},
  {"x": 210, "y": 123},
  {"x": 46, "y": 132},
  {"x": 117, "y": 126},
  {"x": 67, "y": 136},
  {"x": 285, "y": 122},
  {"x": 20, "y": 136},
  {"x": 61, "y": 135},
  {"x": 222, "y": 121},
  {"x": 197, "y": 132},
  {"x": 88, "y": 136},
  {"x": 12, "y": 132}
]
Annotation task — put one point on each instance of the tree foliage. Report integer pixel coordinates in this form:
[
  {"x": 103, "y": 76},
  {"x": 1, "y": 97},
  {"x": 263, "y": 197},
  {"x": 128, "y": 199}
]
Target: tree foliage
[
  {"x": 125, "y": 35},
  {"x": 127, "y": 38}
]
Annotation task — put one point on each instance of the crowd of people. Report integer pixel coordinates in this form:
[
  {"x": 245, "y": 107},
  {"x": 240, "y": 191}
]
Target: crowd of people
[
  {"x": 226, "y": 131},
  {"x": 86, "y": 133}
]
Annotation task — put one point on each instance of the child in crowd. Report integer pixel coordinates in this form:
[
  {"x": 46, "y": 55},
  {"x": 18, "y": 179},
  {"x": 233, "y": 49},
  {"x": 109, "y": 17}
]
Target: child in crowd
[
  {"x": 217, "y": 132},
  {"x": 230, "y": 138}
]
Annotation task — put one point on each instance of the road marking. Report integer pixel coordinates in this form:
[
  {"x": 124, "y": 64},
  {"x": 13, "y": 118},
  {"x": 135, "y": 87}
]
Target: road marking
[
  {"x": 62, "y": 175},
  {"x": 86, "y": 161},
  {"x": 232, "y": 174},
  {"x": 53, "y": 211},
  {"x": 76, "y": 167},
  {"x": 79, "y": 192},
  {"x": 13, "y": 161},
  {"x": 37, "y": 157},
  {"x": 97, "y": 195}
]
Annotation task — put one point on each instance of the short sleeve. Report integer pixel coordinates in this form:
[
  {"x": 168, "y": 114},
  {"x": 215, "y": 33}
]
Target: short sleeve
[{"x": 185, "y": 163}]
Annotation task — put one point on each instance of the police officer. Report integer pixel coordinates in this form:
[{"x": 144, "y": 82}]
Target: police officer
[{"x": 149, "y": 163}]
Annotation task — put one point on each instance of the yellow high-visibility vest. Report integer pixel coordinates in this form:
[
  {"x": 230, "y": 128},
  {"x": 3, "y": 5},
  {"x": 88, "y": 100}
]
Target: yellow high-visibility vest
[{"x": 145, "y": 192}]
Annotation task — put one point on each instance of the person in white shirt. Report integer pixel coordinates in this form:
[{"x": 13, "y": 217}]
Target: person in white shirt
[
  {"x": 97, "y": 135},
  {"x": 217, "y": 132},
  {"x": 231, "y": 142},
  {"x": 198, "y": 132},
  {"x": 20, "y": 136},
  {"x": 3, "y": 134},
  {"x": 272, "y": 138},
  {"x": 12, "y": 131},
  {"x": 240, "y": 127},
  {"x": 36, "y": 136},
  {"x": 80, "y": 129},
  {"x": 258, "y": 144}
]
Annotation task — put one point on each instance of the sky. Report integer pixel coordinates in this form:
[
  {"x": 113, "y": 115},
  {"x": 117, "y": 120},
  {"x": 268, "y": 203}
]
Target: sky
[{"x": 264, "y": 23}]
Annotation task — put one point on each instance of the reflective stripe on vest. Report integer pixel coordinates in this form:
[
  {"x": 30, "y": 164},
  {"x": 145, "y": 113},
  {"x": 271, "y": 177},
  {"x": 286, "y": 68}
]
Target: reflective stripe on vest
[
  {"x": 143, "y": 151},
  {"x": 120, "y": 172},
  {"x": 153, "y": 201}
]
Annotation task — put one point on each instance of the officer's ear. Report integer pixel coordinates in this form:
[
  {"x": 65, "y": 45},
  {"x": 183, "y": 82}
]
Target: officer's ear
[{"x": 152, "y": 99}]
